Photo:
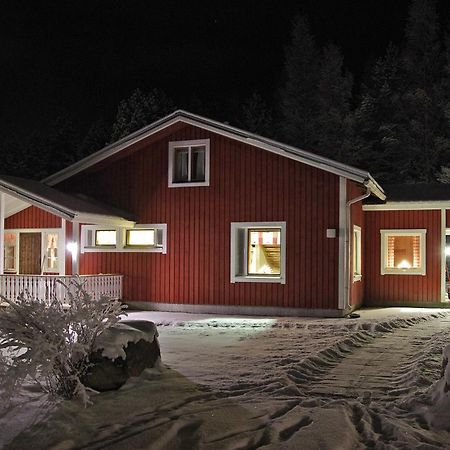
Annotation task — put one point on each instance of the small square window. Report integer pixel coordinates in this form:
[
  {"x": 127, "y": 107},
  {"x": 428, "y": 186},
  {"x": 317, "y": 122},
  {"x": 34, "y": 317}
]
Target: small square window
[
  {"x": 258, "y": 252},
  {"x": 403, "y": 252},
  {"x": 189, "y": 163}
]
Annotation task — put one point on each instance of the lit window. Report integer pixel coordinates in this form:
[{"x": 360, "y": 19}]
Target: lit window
[
  {"x": 263, "y": 252},
  {"x": 51, "y": 252},
  {"x": 140, "y": 238},
  {"x": 258, "y": 252},
  {"x": 10, "y": 252},
  {"x": 403, "y": 252},
  {"x": 105, "y": 238},
  {"x": 356, "y": 253},
  {"x": 189, "y": 163}
]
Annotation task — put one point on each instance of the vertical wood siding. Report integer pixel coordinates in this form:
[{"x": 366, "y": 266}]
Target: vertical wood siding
[
  {"x": 398, "y": 289},
  {"x": 247, "y": 184},
  {"x": 32, "y": 217},
  {"x": 356, "y": 218}
]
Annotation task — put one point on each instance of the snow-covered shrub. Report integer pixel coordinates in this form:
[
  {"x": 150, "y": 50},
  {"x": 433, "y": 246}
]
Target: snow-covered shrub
[{"x": 49, "y": 342}]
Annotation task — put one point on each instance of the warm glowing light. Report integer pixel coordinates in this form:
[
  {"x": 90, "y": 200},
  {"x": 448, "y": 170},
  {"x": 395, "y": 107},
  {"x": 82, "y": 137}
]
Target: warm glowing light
[
  {"x": 141, "y": 237},
  {"x": 404, "y": 265},
  {"x": 105, "y": 237},
  {"x": 72, "y": 247}
]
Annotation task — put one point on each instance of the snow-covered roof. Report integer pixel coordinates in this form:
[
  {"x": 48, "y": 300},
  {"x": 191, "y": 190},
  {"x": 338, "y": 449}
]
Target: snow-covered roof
[
  {"x": 70, "y": 207},
  {"x": 329, "y": 165}
]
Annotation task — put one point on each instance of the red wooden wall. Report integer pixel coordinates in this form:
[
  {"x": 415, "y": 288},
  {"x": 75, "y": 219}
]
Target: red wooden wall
[
  {"x": 246, "y": 184},
  {"x": 356, "y": 218},
  {"x": 400, "y": 289},
  {"x": 32, "y": 217}
]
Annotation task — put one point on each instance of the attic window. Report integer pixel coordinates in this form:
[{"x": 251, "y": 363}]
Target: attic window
[{"x": 189, "y": 163}]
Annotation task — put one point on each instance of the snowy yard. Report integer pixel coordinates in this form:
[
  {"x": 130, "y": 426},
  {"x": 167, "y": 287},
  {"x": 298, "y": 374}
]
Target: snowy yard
[{"x": 269, "y": 383}]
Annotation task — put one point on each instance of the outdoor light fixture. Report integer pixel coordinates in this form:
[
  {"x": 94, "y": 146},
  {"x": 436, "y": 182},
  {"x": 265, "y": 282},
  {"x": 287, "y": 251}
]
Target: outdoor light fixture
[{"x": 72, "y": 247}]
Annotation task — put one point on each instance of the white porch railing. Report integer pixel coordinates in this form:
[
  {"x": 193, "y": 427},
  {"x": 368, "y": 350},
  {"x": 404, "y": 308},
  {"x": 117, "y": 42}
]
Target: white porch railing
[{"x": 46, "y": 287}]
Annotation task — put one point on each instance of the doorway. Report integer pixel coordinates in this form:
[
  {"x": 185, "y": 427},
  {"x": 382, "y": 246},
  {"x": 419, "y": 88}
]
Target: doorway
[{"x": 30, "y": 253}]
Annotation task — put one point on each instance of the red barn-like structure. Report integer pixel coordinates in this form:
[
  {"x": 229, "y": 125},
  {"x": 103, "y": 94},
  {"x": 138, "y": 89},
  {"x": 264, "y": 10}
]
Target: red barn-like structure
[{"x": 189, "y": 214}]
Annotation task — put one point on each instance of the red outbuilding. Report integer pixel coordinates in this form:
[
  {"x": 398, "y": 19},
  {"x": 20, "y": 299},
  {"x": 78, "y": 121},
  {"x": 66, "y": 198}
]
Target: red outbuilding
[{"x": 189, "y": 214}]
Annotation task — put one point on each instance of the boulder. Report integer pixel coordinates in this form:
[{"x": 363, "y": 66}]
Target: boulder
[{"x": 121, "y": 352}]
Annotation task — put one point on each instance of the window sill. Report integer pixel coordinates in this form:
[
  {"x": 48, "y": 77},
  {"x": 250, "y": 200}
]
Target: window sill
[
  {"x": 188, "y": 184},
  {"x": 256, "y": 279},
  {"x": 122, "y": 250},
  {"x": 403, "y": 272},
  {"x": 357, "y": 278}
]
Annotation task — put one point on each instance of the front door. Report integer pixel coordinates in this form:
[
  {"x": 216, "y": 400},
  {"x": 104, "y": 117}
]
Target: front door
[{"x": 30, "y": 253}]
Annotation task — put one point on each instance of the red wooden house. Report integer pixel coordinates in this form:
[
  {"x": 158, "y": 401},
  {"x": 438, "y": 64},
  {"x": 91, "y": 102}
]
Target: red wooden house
[{"x": 189, "y": 214}]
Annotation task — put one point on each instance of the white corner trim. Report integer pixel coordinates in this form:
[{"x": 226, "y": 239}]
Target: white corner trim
[
  {"x": 443, "y": 255},
  {"x": 342, "y": 276},
  {"x": 192, "y": 143},
  {"x": 236, "y": 277}
]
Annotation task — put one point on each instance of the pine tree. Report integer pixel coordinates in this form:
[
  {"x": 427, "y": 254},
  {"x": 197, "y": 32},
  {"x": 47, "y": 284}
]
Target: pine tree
[
  {"x": 334, "y": 94},
  {"x": 96, "y": 138},
  {"x": 256, "y": 116},
  {"x": 298, "y": 97},
  {"x": 424, "y": 128},
  {"x": 139, "y": 110},
  {"x": 376, "y": 141}
]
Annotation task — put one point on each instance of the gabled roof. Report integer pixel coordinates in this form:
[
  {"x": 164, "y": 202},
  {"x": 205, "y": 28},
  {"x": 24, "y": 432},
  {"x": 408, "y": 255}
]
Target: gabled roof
[
  {"x": 288, "y": 151},
  {"x": 59, "y": 203}
]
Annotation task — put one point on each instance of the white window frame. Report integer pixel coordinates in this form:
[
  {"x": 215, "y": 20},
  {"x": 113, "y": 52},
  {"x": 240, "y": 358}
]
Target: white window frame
[
  {"x": 193, "y": 143},
  {"x": 90, "y": 247},
  {"x": 405, "y": 232},
  {"x": 239, "y": 253},
  {"x": 61, "y": 269},
  {"x": 357, "y": 253}
]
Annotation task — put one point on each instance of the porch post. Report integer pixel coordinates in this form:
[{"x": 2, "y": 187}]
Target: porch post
[
  {"x": 2, "y": 233},
  {"x": 76, "y": 250}
]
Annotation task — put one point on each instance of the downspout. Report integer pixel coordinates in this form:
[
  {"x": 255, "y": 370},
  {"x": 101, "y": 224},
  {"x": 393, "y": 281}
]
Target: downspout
[{"x": 349, "y": 233}]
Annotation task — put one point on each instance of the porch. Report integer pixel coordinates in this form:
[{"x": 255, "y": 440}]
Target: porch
[{"x": 48, "y": 287}]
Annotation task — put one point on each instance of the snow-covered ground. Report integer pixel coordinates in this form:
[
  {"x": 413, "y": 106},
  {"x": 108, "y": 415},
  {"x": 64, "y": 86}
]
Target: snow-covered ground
[{"x": 261, "y": 383}]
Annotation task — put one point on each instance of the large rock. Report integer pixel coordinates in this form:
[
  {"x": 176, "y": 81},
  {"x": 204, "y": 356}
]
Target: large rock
[{"x": 122, "y": 351}]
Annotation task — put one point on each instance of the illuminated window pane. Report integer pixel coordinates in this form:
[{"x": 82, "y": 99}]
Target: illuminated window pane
[
  {"x": 52, "y": 251},
  {"x": 105, "y": 237},
  {"x": 403, "y": 252},
  {"x": 141, "y": 237},
  {"x": 356, "y": 251},
  {"x": 264, "y": 255},
  {"x": 10, "y": 252}
]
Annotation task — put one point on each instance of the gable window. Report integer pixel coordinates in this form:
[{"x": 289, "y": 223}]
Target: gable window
[
  {"x": 141, "y": 238},
  {"x": 403, "y": 252},
  {"x": 189, "y": 163},
  {"x": 357, "y": 275},
  {"x": 258, "y": 252}
]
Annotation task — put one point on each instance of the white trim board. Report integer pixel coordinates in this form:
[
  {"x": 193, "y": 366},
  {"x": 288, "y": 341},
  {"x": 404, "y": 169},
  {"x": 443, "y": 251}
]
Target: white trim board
[
  {"x": 405, "y": 206},
  {"x": 287, "y": 151}
]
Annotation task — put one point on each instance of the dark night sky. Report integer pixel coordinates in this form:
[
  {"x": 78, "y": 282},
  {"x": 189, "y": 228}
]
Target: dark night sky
[{"x": 83, "y": 57}]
